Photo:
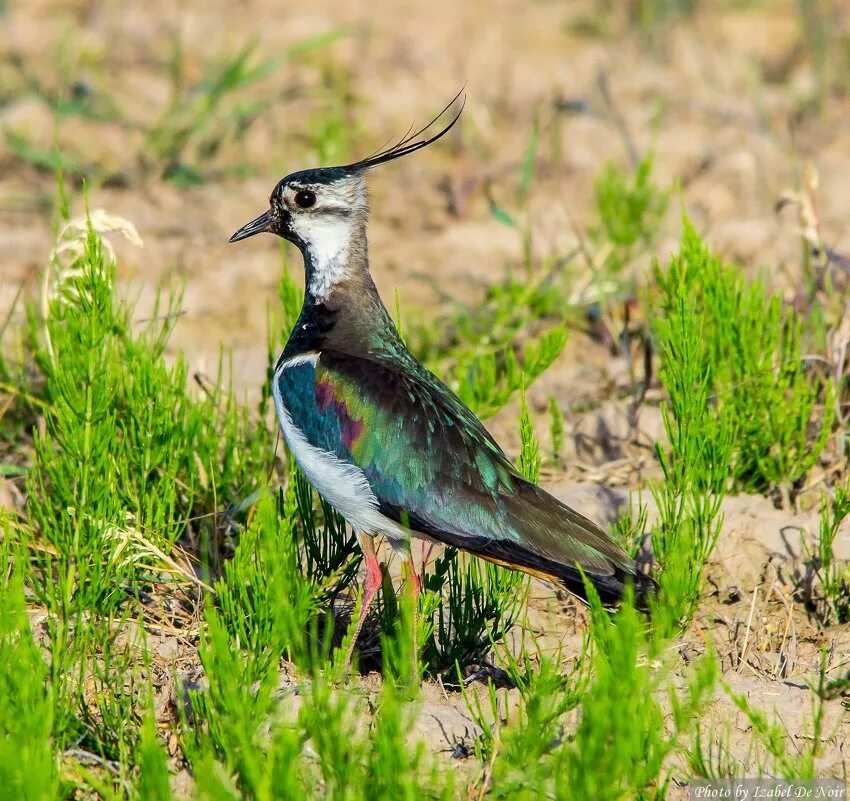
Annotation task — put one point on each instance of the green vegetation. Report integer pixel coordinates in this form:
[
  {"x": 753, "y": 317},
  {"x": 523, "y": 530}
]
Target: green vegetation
[
  {"x": 621, "y": 745},
  {"x": 833, "y": 600},
  {"x": 631, "y": 209},
  {"x": 201, "y": 117},
  {"x": 489, "y": 353},
  {"x": 27, "y": 759},
  {"x": 750, "y": 366},
  {"x": 482, "y": 602},
  {"x": 696, "y": 461},
  {"x": 743, "y": 413}
]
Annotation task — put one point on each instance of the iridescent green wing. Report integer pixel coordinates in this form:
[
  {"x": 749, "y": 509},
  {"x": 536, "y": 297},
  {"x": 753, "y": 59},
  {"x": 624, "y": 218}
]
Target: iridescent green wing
[{"x": 434, "y": 468}]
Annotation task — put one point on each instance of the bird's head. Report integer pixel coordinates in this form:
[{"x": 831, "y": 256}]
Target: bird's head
[
  {"x": 324, "y": 210},
  {"x": 313, "y": 208}
]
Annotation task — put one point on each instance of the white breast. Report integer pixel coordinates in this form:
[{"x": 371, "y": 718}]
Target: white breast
[{"x": 342, "y": 485}]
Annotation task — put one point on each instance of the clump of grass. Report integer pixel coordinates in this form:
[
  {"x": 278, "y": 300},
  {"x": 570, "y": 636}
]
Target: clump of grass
[
  {"x": 743, "y": 412},
  {"x": 488, "y": 355},
  {"x": 249, "y": 744},
  {"x": 701, "y": 437},
  {"x": 201, "y": 118},
  {"x": 833, "y": 576},
  {"x": 76, "y": 511},
  {"x": 783, "y": 413},
  {"x": 480, "y": 603},
  {"x": 28, "y": 767},
  {"x": 517, "y": 746},
  {"x": 264, "y": 601},
  {"x": 530, "y": 460},
  {"x": 225, "y": 737},
  {"x": 294, "y": 560},
  {"x": 631, "y": 208},
  {"x": 622, "y": 745},
  {"x": 113, "y": 407},
  {"x": 487, "y": 379}
]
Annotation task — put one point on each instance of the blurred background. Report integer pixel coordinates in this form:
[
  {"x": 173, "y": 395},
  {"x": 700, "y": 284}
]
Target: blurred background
[{"x": 182, "y": 116}]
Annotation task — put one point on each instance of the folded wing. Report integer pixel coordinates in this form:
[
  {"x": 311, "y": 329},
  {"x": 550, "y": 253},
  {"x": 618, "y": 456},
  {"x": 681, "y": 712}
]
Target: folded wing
[{"x": 435, "y": 469}]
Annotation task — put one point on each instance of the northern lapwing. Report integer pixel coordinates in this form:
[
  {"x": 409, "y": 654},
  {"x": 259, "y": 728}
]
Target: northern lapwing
[{"x": 384, "y": 440}]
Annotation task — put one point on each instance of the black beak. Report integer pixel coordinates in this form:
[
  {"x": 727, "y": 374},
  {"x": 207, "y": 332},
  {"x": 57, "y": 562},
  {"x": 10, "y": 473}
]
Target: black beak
[{"x": 262, "y": 224}]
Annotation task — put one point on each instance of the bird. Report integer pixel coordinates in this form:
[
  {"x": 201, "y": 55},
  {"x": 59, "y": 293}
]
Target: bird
[{"x": 386, "y": 442}]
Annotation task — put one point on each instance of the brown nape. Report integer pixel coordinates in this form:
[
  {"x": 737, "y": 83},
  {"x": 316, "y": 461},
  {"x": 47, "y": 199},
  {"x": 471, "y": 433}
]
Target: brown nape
[{"x": 363, "y": 323}]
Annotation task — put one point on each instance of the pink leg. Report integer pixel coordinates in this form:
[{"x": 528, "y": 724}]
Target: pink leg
[
  {"x": 426, "y": 554},
  {"x": 370, "y": 588}
]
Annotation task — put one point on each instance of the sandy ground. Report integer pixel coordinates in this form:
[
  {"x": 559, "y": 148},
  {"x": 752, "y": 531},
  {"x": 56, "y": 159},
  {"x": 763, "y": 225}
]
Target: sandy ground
[{"x": 720, "y": 98}]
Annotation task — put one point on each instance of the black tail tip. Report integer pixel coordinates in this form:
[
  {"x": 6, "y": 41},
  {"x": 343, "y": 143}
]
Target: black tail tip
[
  {"x": 645, "y": 587},
  {"x": 613, "y": 589}
]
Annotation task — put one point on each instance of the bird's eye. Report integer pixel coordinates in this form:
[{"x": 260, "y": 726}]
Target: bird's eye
[{"x": 304, "y": 198}]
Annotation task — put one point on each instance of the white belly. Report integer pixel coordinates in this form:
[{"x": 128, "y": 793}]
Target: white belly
[{"x": 342, "y": 485}]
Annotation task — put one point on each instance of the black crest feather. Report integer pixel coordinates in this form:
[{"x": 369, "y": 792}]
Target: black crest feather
[{"x": 411, "y": 141}]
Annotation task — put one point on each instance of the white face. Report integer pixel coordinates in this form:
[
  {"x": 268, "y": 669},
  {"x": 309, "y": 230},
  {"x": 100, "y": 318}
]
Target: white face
[
  {"x": 316, "y": 211},
  {"x": 327, "y": 218}
]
